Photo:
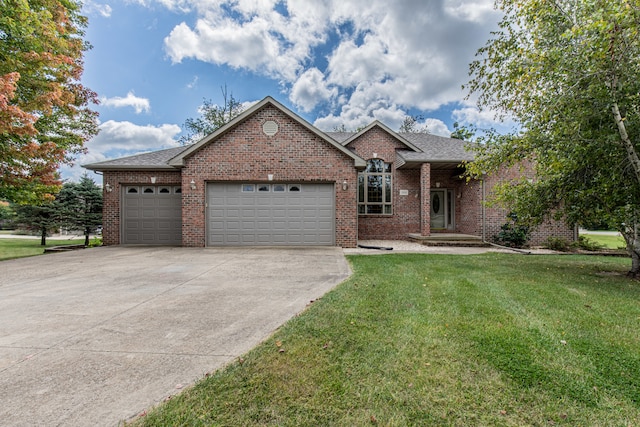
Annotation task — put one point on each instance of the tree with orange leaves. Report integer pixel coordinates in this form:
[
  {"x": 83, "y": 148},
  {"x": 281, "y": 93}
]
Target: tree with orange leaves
[{"x": 45, "y": 117}]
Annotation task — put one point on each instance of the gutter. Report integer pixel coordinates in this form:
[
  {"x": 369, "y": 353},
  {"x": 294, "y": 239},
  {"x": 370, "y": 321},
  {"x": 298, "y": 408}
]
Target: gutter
[{"x": 484, "y": 213}]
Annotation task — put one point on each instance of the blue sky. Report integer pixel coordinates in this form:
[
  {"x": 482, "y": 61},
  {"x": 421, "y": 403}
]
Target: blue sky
[{"x": 333, "y": 62}]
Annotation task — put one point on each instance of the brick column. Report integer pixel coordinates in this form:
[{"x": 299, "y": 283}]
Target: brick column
[{"x": 425, "y": 199}]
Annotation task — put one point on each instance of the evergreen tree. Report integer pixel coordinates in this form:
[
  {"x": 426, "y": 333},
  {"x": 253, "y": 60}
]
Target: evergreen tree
[{"x": 80, "y": 206}]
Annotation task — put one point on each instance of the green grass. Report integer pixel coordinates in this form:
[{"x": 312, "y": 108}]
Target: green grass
[
  {"x": 19, "y": 248},
  {"x": 609, "y": 242},
  {"x": 486, "y": 340}
]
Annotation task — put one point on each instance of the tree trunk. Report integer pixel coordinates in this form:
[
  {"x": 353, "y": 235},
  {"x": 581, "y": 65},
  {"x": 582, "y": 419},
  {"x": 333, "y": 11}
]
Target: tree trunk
[
  {"x": 631, "y": 237},
  {"x": 630, "y": 232},
  {"x": 632, "y": 155},
  {"x": 635, "y": 265},
  {"x": 86, "y": 236},
  {"x": 43, "y": 236}
]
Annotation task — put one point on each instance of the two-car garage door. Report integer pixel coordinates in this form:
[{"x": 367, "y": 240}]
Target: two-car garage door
[{"x": 270, "y": 214}]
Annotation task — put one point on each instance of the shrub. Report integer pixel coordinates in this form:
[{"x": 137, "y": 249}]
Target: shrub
[
  {"x": 512, "y": 233},
  {"x": 557, "y": 244},
  {"x": 96, "y": 241},
  {"x": 587, "y": 244}
]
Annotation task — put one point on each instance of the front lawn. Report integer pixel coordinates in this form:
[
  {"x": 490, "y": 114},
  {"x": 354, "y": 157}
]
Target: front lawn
[
  {"x": 415, "y": 339},
  {"x": 605, "y": 240},
  {"x": 19, "y": 248}
]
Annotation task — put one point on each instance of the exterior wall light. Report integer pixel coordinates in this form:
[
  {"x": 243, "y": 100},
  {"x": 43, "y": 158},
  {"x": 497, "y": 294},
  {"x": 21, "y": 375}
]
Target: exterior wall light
[
  {"x": 345, "y": 185},
  {"x": 153, "y": 179},
  {"x": 108, "y": 188},
  {"x": 193, "y": 185}
]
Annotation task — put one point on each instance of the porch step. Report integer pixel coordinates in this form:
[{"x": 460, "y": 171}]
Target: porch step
[{"x": 449, "y": 239}]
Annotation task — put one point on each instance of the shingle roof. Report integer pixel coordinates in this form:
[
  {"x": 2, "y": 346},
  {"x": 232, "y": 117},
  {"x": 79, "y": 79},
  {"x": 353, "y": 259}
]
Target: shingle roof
[
  {"x": 436, "y": 148},
  {"x": 340, "y": 136},
  {"x": 433, "y": 148},
  {"x": 152, "y": 160},
  {"x": 420, "y": 147}
]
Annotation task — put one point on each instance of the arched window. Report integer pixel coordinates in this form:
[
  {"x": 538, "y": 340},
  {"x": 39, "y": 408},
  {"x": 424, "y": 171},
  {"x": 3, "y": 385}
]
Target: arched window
[{"x": 375, "y": 188}]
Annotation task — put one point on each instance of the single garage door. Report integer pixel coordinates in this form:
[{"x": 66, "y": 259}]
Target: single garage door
[
  {"x": 152, "y": 215},
  {"x": 270, "y": 214}
]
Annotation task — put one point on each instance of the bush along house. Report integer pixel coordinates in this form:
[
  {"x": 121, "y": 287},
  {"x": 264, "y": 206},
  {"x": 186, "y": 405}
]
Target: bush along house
[{"x": 268, "y": 177}]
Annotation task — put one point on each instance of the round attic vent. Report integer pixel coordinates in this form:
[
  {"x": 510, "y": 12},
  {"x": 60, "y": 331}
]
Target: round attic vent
[{"x": 270, "y": 128}]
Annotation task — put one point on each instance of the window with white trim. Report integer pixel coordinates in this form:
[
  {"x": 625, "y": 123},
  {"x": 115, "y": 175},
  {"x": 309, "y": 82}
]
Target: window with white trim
[{"x": 375, "y": 188}]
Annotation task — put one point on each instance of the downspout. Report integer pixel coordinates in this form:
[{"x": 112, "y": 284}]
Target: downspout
[{"x": 484, "y": 225}]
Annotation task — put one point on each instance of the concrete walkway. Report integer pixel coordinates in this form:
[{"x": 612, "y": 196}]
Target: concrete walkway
[{"x": 94, "y": 337}]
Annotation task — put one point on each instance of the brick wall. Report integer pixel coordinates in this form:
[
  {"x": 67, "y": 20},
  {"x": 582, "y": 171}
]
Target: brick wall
[
  {"x": 411, "y": 212},
  {"x": 294, "y": 154},
  {"x": 406, "y": 209},
  {"x": 469, "y": 208},
  {"x": 496, "y": 216},
  {"x": 245, "y": 153},
  {"x": 111, "y": 206}
]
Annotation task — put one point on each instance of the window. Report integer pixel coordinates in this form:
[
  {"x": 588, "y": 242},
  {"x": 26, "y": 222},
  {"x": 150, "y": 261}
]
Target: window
[
  {"x": 264, "y": 187},
  {"x": 149, "y": 190},
  {"x": 164, "y": 190},
  {"x": 248, "y": 188},
  {"x": 294, "y": 187},
  {"x": 279, "y": 187},
  {"x": 132, "y": 189},
  {"x": 375, "y": 188}
]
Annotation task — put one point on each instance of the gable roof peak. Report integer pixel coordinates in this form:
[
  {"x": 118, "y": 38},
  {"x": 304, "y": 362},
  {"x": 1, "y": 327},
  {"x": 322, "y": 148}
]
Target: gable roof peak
[
  {"x": 377, "y": 123},
  {"x": 178, "y": 160}
]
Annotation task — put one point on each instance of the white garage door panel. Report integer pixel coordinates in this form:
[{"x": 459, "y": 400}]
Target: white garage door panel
[
  {"x": 304, "y": 217},
  {"x": 152, "y": 217}
]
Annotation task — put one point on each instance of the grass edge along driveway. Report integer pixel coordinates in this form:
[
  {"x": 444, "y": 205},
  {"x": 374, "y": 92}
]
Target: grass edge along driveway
[
  {"x": 414, "y": 339},
  {"x": 11, "y": 248}
]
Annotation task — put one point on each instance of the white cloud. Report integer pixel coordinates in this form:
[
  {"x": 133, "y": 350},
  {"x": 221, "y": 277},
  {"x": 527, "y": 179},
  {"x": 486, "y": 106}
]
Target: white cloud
[
  {"x": 240, "y": 45},
  {"x": 470, "y": 10},
  {"x": 310, "y": 90},
  {"x": 248, "y": 104},
  {"x": 117, "y": 139},
  {"x": 193, "y": 83},
  {"x": 437, "y": 127},
  {"x": 139, "y": 105},
  {"x": 411, "y": 55},
  {"x": 174, "y": 5},
  {"x": 90, "y": 7},
  {"x": 129, "y": 137},
  {"x": 254, "y": 36},
  {"x": 484, "y": 119}
]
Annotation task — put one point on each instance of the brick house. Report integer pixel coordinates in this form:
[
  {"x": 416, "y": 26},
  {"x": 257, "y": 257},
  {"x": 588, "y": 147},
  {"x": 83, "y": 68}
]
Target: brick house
[{"x": 270, "y": 178}]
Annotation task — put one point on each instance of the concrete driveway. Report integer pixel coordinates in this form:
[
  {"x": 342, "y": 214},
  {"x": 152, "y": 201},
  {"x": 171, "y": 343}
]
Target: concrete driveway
[{"x": 96, "y": 336}]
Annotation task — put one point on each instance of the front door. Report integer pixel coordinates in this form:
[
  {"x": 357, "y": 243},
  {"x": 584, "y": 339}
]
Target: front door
[{"x": 441, "y": 209}]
